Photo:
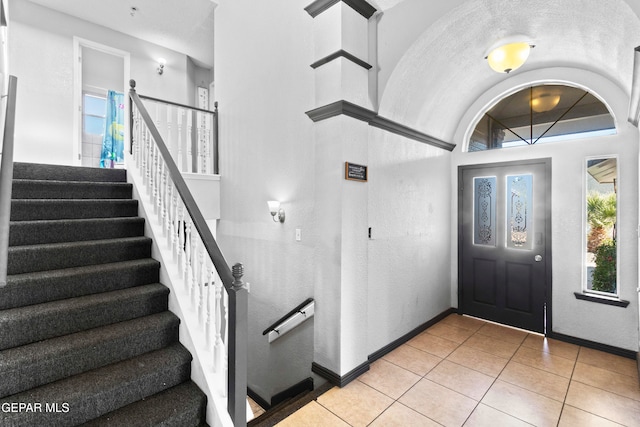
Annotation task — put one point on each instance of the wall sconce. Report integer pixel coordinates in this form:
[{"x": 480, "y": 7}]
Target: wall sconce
[
  {"x": 161, "y": 64},
  {"x": 276, "y": 211},
  {"x": 508, "y": 55}
]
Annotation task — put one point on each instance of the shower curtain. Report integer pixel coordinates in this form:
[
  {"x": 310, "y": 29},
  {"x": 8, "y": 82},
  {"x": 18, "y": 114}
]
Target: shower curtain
[{"x": 113, "y": 140}]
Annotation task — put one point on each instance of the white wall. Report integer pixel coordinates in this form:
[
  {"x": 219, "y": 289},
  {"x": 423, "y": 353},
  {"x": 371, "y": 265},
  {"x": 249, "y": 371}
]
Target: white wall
[
  {"x": 601, "y": 323},
  {"x": 41, "y": 57},
  {"x": 264, "y": 85},
  {"x": 271, "y": 150},
  {"x": 410, "y": 216}
]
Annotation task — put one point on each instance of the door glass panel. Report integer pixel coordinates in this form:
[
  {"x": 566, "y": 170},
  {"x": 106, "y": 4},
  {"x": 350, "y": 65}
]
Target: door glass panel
[
  {"x": 602, "y": 202},
  {"x": 519, "y": 211},
  {"x": 484, "y": 211}
]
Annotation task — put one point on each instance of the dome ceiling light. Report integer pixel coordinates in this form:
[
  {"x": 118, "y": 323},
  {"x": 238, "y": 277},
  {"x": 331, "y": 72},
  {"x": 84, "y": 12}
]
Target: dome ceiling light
[
  {"x": 508, "y": 56},
  {"x": 544, "y": 102}
]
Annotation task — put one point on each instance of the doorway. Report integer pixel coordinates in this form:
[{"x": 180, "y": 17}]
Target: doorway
[
  {"x": 97, "y": 70},
  {"x": 504, "y": 236}
]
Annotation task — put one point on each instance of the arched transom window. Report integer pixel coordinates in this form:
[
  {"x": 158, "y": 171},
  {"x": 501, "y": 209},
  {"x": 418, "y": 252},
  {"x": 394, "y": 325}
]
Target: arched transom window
[{"x": 540, "y": 114}]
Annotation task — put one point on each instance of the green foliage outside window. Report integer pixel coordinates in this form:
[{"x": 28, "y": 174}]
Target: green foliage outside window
[{"x": 604, "y": 274}]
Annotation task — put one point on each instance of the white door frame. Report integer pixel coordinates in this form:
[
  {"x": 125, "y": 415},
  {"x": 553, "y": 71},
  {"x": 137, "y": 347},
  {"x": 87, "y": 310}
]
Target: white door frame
[{"x": 78, "y": 44}]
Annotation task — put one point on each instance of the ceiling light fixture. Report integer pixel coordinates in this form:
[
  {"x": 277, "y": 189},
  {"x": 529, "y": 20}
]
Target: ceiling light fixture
[
  {"x": 544, "y": 102},
  {"x": 508, "y": 56}
]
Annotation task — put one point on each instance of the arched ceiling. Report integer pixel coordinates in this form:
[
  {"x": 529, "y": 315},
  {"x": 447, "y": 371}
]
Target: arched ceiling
[{"x": 444, "y": 70}]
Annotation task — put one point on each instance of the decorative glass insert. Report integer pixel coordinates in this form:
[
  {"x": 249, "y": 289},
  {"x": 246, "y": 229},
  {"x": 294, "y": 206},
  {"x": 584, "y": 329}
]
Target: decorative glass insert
[
  {"x": 519, "y": 211},
  {"x": 484, "y": 211}
]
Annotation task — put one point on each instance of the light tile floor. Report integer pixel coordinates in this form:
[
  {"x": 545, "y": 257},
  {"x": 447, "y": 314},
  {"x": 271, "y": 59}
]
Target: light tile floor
[{"x": 464, "y": 371}]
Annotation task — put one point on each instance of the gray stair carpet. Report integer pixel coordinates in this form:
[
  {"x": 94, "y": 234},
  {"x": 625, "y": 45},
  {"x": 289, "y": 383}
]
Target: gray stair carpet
[{"x": 85, "y": 332}]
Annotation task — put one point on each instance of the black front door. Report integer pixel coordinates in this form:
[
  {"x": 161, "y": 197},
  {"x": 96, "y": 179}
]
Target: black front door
[{"x": 505, "y": 242}]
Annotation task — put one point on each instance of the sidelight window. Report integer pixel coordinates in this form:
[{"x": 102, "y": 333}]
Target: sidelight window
[{"x": 601, "y": 208}]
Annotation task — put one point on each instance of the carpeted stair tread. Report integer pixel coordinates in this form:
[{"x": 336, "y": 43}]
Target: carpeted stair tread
[
  {"x": 36, "y": 209},
  {"x": 41, "y": 189},
  {"x": 23, "y": 233},
  {"x": 94, "y": 393},
  {"x": 53, "y": 256},
  {"x": 52, "y": 285},
  {"x": 85, "y": 331},
  {"x": 24, "y": 325},
  {"x": 67, "y": 173},
  {"x": 42, "y": 362},
  {"x": 181, "y": 406}
]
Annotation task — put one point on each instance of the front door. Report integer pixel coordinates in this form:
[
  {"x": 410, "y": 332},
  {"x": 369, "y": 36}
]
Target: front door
[{"x": 505, "y": 242}]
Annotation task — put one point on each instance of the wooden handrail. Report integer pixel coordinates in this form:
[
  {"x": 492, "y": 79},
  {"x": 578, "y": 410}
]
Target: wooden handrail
[{"x": 6, "y": 177}]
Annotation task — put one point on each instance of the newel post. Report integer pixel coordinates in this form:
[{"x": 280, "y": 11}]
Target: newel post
[{"x": 238, "y": 342}]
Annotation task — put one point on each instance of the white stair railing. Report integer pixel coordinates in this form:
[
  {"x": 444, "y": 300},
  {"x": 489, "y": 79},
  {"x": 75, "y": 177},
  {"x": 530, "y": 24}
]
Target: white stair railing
[
  {"x": 190, "y": 134},
  {"x": 217, "y": 297}
]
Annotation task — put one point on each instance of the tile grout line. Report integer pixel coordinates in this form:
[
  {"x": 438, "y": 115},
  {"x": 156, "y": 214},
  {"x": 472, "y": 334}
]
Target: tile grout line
[
  {"x": 580, "y": 348},
  {"x": 423, "y": 377},
  {"x": 494, "y": 381},
  {"x": 564, "y": 402}
]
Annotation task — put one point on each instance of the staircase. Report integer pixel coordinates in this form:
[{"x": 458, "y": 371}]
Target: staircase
[{"x": 85, "y": 334}]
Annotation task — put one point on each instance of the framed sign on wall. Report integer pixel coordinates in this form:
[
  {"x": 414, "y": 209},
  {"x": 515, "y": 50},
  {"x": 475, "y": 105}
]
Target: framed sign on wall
[{"x": 354, "y": 172}]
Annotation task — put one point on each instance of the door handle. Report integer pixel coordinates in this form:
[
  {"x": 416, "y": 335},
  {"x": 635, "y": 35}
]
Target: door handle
[{"x": 538, "y": 258}]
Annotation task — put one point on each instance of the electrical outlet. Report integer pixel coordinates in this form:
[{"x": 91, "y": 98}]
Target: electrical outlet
[{"x": 298, "y": 234}]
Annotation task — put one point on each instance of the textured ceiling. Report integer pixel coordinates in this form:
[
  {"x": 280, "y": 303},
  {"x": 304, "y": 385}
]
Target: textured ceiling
[
  {"x": 444, "y": 71},
  {"x": 185, "y": 26}
]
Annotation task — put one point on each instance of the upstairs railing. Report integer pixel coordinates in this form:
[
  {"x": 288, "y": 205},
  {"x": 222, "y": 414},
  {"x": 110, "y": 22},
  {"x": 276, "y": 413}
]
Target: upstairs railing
[
  {"x": 191, "y": 134},
  {"x": 6, "y": 177},
  {"x": 218, "y": 296}
]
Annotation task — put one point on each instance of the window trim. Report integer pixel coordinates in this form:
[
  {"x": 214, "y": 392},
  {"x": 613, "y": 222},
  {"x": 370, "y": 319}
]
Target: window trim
[
  {"x": 601, "y": 299},
  {"x": 473, "y": 124},
  {"x": 588, "y": 294}
]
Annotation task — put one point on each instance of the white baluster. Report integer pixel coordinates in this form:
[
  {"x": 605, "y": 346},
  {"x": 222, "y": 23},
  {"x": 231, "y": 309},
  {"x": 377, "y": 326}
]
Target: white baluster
[
  {"x": 187, "y": 254},
  {"x": 201, "y": 283},
  {"x": 194, "y": 267},
  {"x": 201, "y": 165},
  {"x": 190, "y": 153},
  {"x": 209, "y": 141},
  {"x": 218, "y": 345},
  {"x": 157, "y": 115},
  {"x": 163, "y": 197},
  {"x": 154, "y": 177},
  {"x": 180, "y": 159},
  {"x": 148, "y": 160},
  {"x": 169, "y": 139},
  {"x": 134, "y": 137},
  {"x": 171, "y": 216},
  {"x": 181, "y": 238},
  {"x": 208, "y": 303}
]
